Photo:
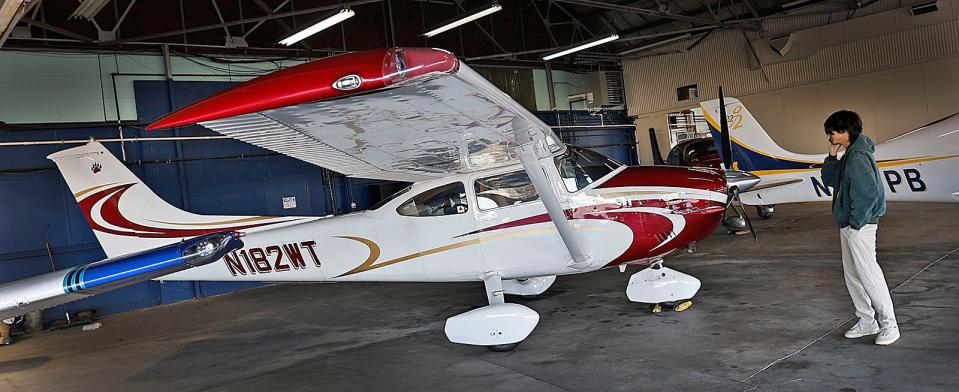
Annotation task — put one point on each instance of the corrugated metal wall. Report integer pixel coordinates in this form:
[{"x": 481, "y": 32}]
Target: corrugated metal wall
[
  {"x": 897, "y": 70},
  {"x": 725, "y": 57}
]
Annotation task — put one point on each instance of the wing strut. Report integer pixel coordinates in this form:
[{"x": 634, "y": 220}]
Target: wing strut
[{"x": 528, "y": 156}]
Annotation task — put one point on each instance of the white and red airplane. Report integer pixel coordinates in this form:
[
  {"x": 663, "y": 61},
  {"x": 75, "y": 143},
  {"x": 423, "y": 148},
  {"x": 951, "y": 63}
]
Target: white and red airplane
[
  {"x": 496, "y": 197},
  {"x": 920, "y": 166}
]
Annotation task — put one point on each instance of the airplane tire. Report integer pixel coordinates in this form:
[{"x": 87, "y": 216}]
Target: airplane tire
[
  {"x": 499, "y": 348},
  {"x": 763, "y": 212}
]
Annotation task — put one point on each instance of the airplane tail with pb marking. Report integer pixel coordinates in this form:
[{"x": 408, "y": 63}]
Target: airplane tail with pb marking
[
  {"x": 919, "y": 165},
  {"x": 752, "y": 148},
  {"x": 126, "y": 216}
]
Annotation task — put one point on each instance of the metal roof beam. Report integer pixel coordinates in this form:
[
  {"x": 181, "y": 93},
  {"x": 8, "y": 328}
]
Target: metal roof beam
[
  {"x": 269, "y": 11},
  {"x": 243, "y": 21},
  {"x": 57, "y": 30},
  {"x": 459, "y": 4},
  {"x": 641, "y": 11}
]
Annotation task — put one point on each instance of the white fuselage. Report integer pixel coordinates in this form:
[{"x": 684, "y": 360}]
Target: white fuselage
[
  {"x": 921, "y": 166},
  {"x": 514, "y": 241},
  {"x": 393, "y": 247}
]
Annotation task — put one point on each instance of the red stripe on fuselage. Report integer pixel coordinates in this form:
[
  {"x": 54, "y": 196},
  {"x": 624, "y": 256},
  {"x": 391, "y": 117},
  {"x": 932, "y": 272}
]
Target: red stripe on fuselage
[
  {"x": 110, "y": 212},
  {"x": 649, "y": 229}
]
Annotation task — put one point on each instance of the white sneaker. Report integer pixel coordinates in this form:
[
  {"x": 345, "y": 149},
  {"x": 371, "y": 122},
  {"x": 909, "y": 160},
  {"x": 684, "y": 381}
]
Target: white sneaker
[
  {"x": 887, "y": 336},
  {"x": 862, "y": 329}
]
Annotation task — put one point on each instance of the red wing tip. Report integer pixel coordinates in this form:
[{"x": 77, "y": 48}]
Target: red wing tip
[
  {"x": 224, "y": 104},
  {"x": 178, "y": 118},
  {"x": 164, "y": 123}
]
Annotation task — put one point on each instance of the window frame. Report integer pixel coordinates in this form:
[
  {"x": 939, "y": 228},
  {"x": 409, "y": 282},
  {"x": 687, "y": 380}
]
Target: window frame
[
  {"x": 507, "y": 170},
  {"x": 430, "y": 188},
  {"x": 594, "y": 184}
]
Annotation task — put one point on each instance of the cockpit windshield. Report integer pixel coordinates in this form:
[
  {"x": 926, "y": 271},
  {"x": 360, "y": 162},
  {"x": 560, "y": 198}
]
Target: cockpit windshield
[
  {"x": 580, "y": 167},
  {"x": 391, "y": 198}
]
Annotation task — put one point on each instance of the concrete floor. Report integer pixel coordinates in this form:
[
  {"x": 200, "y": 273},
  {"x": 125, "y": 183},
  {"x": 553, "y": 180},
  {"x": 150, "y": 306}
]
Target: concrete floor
[{"x": 770, "y": 316}]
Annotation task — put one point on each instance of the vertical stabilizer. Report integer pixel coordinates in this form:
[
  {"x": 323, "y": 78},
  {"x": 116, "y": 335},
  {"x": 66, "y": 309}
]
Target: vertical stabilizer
[
  {"x": 752, "y": 148},
  {"x": 125, "y": 215}
]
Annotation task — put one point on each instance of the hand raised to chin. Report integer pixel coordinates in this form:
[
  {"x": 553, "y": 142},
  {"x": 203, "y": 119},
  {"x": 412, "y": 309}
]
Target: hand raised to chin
[{"x": 834, "y": 149}]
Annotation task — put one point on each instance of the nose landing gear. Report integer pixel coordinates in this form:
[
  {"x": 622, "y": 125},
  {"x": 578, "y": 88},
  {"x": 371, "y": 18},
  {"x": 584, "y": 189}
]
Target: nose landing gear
[
  {"x": 663, "y": 287},
  {"x": 676, "y": 306}
]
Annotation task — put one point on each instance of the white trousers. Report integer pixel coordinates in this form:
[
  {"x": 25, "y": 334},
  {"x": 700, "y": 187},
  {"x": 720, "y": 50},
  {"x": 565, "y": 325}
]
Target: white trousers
[{"x": 864, "y": 278}]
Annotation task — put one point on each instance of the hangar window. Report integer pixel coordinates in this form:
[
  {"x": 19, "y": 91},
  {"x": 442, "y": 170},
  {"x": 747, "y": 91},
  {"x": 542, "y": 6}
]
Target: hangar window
[
  {"x": 579, "y": 167},
  {"x": 449, "y": 199},
  {"x": 504, "y": 190},
  {"x": 687, "y": 92}
]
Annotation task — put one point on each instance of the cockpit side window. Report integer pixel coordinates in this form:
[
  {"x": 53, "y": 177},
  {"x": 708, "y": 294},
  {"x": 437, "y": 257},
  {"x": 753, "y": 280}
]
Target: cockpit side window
[
  {"x": 449, "y": 199},
  {"x": 580, "y": 167},
  {"x": 504, "y": 190}
]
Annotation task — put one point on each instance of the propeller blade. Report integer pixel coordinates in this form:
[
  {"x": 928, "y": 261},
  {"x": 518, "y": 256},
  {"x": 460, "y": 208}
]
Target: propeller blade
[
  {"x": 654, "y": 144},
  {"x": 727, "y": 153},
  {"x": 742, "y": 210}
]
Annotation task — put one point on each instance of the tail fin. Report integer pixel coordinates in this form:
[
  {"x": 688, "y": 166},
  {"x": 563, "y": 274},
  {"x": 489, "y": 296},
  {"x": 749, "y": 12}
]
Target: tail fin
[
  {"x": 125, "y": 215},
  {"x": 752, "y": 148}
]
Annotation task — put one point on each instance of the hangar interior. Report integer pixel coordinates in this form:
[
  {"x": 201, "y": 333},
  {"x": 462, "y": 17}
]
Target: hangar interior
[{"x": 770, "y": 314}]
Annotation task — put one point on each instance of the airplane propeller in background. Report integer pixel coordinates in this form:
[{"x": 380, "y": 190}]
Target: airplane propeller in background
[{"x": 738, "y": 180}]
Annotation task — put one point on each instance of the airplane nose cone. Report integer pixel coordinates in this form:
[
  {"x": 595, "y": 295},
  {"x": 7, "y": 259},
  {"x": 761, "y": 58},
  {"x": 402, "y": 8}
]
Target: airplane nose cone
[{"x": 742, "y": 180}]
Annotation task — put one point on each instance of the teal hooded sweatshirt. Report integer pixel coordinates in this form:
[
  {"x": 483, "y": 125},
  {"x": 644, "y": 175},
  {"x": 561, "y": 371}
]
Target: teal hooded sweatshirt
[{"x": 858, "y": 196}]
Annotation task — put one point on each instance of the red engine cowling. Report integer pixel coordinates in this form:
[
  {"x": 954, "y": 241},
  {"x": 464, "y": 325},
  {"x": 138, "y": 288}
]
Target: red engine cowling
[{"x": 670, "y": 219}]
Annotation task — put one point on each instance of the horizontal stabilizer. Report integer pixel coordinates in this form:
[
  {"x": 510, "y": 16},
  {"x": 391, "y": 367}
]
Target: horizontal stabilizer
[{"x": 60, "y": 287}]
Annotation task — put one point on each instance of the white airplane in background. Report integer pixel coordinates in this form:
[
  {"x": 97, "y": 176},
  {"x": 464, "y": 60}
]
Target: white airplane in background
[
  {"x": 496, "y": 197},
  {"x": 921, "y": 165}
]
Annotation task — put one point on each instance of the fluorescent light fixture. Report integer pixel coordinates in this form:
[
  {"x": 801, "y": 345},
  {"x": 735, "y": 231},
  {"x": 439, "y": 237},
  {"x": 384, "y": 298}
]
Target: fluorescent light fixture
[
  {"x": 655, "y": 44},
  {"x": 324, "y": 24},
  {"x": 89, "y": 9},
  {"x": 461, "y": 20},
  {"x": 582, "y": 46}
]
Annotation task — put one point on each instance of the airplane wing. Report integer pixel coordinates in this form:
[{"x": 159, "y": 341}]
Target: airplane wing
[
  {"x": 774, "y": 183},
  {"x": 405, "y": 114}
]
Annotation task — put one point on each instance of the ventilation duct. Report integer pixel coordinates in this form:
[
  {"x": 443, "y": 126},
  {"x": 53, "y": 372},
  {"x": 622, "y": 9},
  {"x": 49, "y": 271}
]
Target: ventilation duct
[
  {"x": 924, "y": 8},
  {"x": 782, "y": 44}
]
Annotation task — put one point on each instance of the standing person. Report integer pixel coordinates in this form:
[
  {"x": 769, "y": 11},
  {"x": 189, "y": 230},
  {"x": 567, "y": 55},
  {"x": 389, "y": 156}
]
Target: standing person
[{"x": 858, "y": 202}]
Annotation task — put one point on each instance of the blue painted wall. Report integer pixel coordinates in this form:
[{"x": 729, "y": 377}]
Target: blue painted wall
[{"x": 611, "y": 133}]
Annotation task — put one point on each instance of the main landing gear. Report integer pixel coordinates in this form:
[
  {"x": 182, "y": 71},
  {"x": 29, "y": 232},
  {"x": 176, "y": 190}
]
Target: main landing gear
[
  {"x": 500, "y": 326},
  {"x": 765, "y": 212},
  {"x": 528, "y": 288},
  {"x": 663, "y": 287}
]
